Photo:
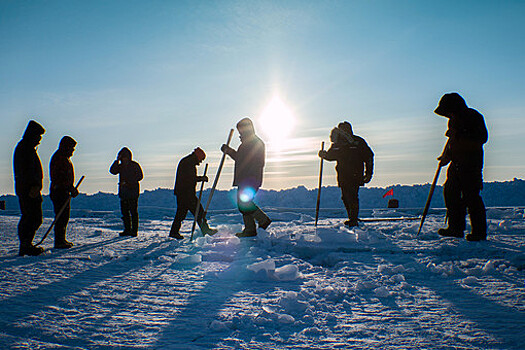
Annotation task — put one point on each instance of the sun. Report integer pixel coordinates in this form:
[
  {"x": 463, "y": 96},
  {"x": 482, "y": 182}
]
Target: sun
[{"x": 277, "y": 121}]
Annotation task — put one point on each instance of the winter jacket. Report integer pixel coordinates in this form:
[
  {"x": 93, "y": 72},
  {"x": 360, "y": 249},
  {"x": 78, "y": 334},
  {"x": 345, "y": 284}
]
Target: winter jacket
[
  {"x": 61, "y": 172},
  {"x": 249, "y": 162},
  {"x": 467, "y": 133},
  {"x": 186, "y": 178},
  {"x": 129, "y": 177},
  {"x": 352, "y": 155},
  {"x": 26, "y": 163}
]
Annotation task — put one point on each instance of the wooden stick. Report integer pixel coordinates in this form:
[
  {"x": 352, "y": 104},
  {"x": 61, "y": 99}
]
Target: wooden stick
[
  {"x": 59, "y": 213},
  {"x": 198, "y": 204},
  {"x": 221, "y": 164}
]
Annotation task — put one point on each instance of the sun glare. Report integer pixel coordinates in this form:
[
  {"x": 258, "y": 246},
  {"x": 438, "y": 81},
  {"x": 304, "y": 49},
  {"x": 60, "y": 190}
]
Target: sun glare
[{"x": 277, "y": 122}]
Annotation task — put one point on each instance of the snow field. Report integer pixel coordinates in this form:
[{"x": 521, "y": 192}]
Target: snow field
[{"x": 291, "y": 287}]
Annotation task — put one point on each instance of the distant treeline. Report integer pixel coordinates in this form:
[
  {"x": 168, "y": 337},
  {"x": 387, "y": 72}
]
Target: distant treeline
[{"x": 495, "y": 194}]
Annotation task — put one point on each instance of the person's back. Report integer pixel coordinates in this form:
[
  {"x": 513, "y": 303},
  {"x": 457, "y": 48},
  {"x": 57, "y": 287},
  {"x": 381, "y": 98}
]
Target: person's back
[
  {"x": 186, "y": 177},
  {"x": 28, "y": 176},
  {"x": 249, "y": 162},
  {"x": 26, "y": 163}
]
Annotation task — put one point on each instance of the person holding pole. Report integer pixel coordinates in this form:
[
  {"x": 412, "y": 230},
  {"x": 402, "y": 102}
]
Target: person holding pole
[
  {"x": 355, "y": 165},
  {"x": 186, "y": 180},
  {"x": 28, "y": 186},
  {"x": 62, "y": 188},
  {"x": 463, "y": 154},
  {"x": 248, "y": 175}
]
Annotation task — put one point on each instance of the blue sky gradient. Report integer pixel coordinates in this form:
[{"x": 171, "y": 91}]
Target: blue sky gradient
[{"x": 163, "y": 77}]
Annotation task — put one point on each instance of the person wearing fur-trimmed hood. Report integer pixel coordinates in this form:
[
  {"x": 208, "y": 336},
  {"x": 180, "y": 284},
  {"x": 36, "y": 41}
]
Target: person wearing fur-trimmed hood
[{"x": 355, "y": 165}]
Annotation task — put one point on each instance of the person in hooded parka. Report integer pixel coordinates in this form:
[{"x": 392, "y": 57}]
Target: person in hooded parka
[
  {"x": 248, "y": 175},
  {"x": 62, "y": 188},
  {"x": 355, "y": 165},
  {"x": 130, "y": 173},
  {"x": 463, "y": 153},
  {"x": 28, "y": 176}
]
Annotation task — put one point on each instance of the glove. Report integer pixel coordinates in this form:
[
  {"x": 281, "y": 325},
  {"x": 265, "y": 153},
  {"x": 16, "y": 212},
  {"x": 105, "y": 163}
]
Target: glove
[
  {"x": 367, "y": 178},
  {"x": 73, "y": 192},
  {"x": 202, "y": 178},
  {"x": 322, "y": 154},
  {"x": 443, "y": 160},
  {"x": 225, "y": 148}
]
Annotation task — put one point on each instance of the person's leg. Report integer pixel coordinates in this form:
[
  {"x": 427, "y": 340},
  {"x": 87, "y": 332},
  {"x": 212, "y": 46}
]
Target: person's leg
[
  {"x": 350, "y": 197},
  {"x": 456, "y": 209},
  {"x": 134, "y": 213},
  {"x": 476, "y": 208},
  {"x": 126, "y": 217},
  {"x": 247, "y": 208},
  {"x": 59, "y": 199},
  {"x": 180, "y": 215},
  {"x": 30, "y": 221}
]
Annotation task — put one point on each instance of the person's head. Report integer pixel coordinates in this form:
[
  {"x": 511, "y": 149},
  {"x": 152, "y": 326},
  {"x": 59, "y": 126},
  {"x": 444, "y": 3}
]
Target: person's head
[
  {"x": 334, "y": 135},
  {"x": 33, "y": 133},
  {"x": 346, "y": 127},
  {"x": 199, "y": 154},
  {"x": 245, "y": 128},
  {"x": 124, "y": 155},
  {"x": 67, "y": 145},
  {"x": 450, "y": 104}
]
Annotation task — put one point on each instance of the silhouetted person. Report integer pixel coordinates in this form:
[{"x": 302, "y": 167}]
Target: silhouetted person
[
  {"x": 464, "y": 151},
  {"x": 130, "y": 173},
  {"x": 249, "y": 164},
  {"x": 28, "y": 186},
  {"x": 355, "y": 165},
  {"x": 62, "y": 188},
  {"x": 185, "y": 182}
]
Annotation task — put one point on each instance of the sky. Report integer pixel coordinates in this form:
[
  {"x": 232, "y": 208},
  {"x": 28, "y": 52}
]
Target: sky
[{"x": 163, "y": 77}]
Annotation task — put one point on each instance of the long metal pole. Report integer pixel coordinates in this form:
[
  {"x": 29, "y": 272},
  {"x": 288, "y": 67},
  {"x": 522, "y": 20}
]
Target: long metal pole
[
  {"x": 198, "y": 204},
  {"x": 218, "y": 174},
  {"x": 431, "y": 192},
  {"x": 59, "y": 213},
  {"x": 319, "y": 187}
]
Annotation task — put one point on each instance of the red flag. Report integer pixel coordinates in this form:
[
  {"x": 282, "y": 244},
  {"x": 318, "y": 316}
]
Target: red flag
[{"x": 390, "y": 192}]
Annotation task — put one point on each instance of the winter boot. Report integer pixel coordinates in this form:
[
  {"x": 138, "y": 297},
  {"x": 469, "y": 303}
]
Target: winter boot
[
  {"x": 351, "y": 223},
  {"x": 262, "y": 219},
  {"x": 60, "y": 239},
  {"x": 174, "y": 231},
  {"x": 249, "y": 226},
  {"x": 450, "y": 232},
  {"x": 127, "y": 226},
  {"x": 29, "y": 249},
  {"x": 205, "y": 229},
  {"x": 472, "y": 237}
]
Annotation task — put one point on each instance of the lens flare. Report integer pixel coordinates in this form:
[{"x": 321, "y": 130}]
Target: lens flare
[{"x": 247, "y": 194}]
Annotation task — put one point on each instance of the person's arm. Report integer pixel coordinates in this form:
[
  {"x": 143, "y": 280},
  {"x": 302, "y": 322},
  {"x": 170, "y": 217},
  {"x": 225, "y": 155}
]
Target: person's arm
[
  {"x": 331, "y": 154},
  {"x": 138, "y": 172},
  {"x": 115, "y": 167},
  {"x": 229, "y": 151},
  {"x": 369, "y": 162}
]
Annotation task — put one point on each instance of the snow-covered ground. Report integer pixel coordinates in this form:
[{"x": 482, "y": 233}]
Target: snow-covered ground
[{"x": 291, "y": 287}]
